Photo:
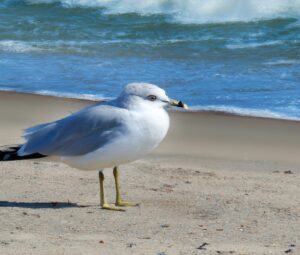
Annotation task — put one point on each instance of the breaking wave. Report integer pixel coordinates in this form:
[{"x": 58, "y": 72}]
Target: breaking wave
[{"x": 192, "y": 11}]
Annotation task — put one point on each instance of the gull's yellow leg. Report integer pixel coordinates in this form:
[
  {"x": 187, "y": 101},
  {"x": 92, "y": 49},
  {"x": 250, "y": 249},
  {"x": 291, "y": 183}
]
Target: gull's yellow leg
[
  {"x": 103, "y": 203},
  {"x": 120, "y": 202}
]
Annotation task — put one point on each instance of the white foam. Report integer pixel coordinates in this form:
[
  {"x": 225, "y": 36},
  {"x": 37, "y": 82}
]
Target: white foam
[
  {"x": 245, "y": 112},
  {"x": 47, "y": 46},
  {"x": 91, "y": 97},
  {"x": 71, "y": 95},
  {"x": 252, "y": 45},
  {"x": 17, "y": 46},
  {"x": 194, "y": 11},
  {"x": 284, "y": 62}
]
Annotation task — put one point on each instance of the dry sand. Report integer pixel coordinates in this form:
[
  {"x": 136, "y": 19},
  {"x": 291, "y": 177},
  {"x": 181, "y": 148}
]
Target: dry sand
[{"x": 218, "y": 184}]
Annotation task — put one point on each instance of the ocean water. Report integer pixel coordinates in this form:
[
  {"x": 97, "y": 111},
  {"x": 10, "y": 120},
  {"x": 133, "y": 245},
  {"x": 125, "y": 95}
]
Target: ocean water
[{"x": 228, "y": 55}]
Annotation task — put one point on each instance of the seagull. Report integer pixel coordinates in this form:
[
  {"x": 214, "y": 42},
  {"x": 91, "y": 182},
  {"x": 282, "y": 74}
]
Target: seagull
[{"x": 104, "y": 135}]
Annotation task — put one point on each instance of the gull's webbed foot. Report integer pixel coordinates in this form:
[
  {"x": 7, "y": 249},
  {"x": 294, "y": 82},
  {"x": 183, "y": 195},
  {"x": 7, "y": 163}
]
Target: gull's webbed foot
[
  {"x": 112, "y": 208},
  {"x": 122, "y": 203}
]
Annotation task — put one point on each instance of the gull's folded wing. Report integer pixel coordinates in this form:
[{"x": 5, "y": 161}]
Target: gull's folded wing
[{"x": 77, "y": 134}]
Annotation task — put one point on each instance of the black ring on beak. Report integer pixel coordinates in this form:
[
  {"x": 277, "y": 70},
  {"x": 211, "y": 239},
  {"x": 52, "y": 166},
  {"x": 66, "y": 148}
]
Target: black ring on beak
[{"x": 178, "y": 104}]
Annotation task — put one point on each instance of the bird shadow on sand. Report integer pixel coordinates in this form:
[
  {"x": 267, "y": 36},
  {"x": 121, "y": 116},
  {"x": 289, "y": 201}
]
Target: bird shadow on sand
[{"x": 40, "y": 205}]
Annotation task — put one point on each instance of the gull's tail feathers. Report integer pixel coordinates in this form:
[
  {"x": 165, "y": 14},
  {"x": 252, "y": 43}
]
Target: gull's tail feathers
[{"x": 10, "y": 153}]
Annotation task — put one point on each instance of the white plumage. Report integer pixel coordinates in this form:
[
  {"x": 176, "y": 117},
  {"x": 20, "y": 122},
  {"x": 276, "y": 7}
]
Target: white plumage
[{"x": 106, "y": 134}]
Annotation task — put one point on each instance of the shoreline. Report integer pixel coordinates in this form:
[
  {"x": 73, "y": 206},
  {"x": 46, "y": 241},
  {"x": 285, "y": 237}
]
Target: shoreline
[{"x": 195, "y": 109}]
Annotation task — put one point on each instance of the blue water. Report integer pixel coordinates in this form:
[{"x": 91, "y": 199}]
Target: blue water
[{"x": 233, "y": 55}]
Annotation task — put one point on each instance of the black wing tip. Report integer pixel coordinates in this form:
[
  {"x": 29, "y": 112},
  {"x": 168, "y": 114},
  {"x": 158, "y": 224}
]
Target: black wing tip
[{"x": 10, "y": 153}]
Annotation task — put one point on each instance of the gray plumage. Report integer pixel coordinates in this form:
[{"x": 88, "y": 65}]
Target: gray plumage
[{"x": 77, "y": 134}]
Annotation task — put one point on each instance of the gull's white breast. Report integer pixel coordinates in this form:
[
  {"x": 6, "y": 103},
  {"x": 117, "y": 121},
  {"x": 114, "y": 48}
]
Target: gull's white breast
[{"x": 145, "y": 129}]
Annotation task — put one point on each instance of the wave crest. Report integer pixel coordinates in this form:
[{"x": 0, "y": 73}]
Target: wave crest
[{"x": 193, "y": 11}]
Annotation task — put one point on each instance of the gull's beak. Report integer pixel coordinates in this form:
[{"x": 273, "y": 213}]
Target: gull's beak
[{"x": 178, "y": 104}]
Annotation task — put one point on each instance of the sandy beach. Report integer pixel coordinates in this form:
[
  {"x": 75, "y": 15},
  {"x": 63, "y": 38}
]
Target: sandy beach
[{"x": 218, "y": 184}]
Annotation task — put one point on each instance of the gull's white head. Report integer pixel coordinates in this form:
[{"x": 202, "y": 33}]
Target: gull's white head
[{"x": 148, "y": 95}]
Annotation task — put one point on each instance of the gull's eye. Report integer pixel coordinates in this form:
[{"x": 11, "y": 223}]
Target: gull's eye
[{"x": 151, "y": 98}]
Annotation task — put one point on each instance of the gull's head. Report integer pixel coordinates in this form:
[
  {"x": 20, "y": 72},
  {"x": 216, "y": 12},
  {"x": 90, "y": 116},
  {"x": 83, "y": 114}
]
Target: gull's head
[{"x": 148, "y": 95}]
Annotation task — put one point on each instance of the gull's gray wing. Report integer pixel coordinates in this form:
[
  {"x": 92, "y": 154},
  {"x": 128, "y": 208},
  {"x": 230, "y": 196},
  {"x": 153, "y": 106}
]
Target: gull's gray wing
[{"x": 77, "y": 134}]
